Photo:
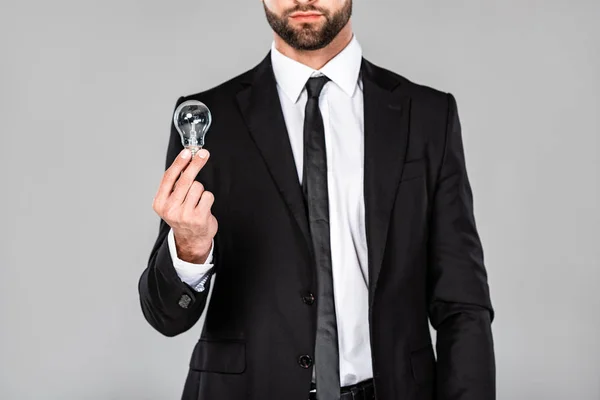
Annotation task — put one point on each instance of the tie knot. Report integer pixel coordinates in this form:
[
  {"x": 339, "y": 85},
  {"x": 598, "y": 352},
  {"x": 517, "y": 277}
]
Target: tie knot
[{"x": 315, "y": 85}]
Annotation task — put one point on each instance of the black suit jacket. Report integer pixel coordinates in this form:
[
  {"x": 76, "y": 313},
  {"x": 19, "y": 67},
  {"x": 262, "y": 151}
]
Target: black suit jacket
[{"x": 424, "y": 253}]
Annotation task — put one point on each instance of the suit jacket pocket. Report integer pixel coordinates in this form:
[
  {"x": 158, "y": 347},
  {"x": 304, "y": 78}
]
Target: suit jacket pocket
[
  {"x": 423, "y": 364},
  {"x": 413, "y": 169},
  {"x": 224, "y": 356}
]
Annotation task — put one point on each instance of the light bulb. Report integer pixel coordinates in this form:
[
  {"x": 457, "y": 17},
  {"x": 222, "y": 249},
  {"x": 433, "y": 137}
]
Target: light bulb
[{"x": 192, "y": 119}]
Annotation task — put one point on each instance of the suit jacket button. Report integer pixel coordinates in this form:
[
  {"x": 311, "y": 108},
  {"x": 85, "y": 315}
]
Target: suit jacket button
[
  {"x": 308, "y": 298},
  {"x": 305, "y": 361},
  {"x": 184, "y": 301}
]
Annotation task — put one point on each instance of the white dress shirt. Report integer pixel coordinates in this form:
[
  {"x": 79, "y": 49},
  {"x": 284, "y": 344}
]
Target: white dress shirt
[{"x": 341, "y": 105}]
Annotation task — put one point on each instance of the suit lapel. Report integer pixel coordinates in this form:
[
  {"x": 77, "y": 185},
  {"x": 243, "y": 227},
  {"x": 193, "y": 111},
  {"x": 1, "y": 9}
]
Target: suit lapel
[
  {"x": 386, "y": 116},
  {"x": 260, "y": 106},
  {"x": 386, "y": 119}
]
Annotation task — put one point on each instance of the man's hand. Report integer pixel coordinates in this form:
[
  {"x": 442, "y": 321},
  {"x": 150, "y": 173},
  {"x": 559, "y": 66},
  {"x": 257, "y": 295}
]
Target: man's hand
[{"x": 182, "y": 202}]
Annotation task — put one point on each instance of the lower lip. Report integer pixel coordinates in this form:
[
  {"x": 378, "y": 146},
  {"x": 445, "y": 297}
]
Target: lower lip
[{"x": 306, "y": 18}]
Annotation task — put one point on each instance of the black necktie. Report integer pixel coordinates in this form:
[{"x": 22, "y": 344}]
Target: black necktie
[{"x": 314, "y": 186}]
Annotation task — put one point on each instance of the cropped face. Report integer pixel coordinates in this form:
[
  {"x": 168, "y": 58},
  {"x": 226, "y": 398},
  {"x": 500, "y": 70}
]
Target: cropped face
[{"x": 307, "y": 25}]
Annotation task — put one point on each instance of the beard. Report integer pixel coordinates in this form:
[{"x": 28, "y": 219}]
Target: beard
[{"x": 307, "y": 36}]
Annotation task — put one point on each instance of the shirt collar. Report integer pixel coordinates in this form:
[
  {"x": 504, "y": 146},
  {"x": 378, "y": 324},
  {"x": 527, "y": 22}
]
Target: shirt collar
[{"x": 343, "y": 70}]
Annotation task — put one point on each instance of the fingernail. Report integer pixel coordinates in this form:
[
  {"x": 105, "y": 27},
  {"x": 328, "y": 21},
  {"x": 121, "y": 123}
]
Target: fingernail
[
  {"x": 203, "y": 153},
  {"x": 186, "y": 153}
]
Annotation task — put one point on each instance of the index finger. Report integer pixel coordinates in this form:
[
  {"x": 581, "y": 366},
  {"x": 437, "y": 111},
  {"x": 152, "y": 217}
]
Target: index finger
[
  {"x": 188, "y": 176},
  {"x": 172, "y": 174}
]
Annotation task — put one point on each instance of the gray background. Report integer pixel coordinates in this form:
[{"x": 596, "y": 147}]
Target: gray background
[{"x": 86, "y": 94}]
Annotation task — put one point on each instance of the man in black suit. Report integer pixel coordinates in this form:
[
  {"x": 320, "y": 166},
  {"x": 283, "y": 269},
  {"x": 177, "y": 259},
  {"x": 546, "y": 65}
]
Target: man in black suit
[{"x": 333, "y": 222}]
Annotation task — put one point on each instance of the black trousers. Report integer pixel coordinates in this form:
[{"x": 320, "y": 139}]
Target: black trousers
[{"x": 361, "y": 391}]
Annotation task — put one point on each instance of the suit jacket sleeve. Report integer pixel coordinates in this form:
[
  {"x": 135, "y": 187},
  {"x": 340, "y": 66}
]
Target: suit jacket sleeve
[
  {"x": 459, "y": 304},
  {"x": 169, "y": 305}
]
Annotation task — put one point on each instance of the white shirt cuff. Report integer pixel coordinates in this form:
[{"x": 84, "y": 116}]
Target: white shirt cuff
[{"x": 194, "y": 275}]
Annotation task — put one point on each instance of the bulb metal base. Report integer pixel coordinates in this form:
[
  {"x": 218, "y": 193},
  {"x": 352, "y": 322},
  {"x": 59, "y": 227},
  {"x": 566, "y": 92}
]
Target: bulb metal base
[{"x": 194, "y": 149}]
